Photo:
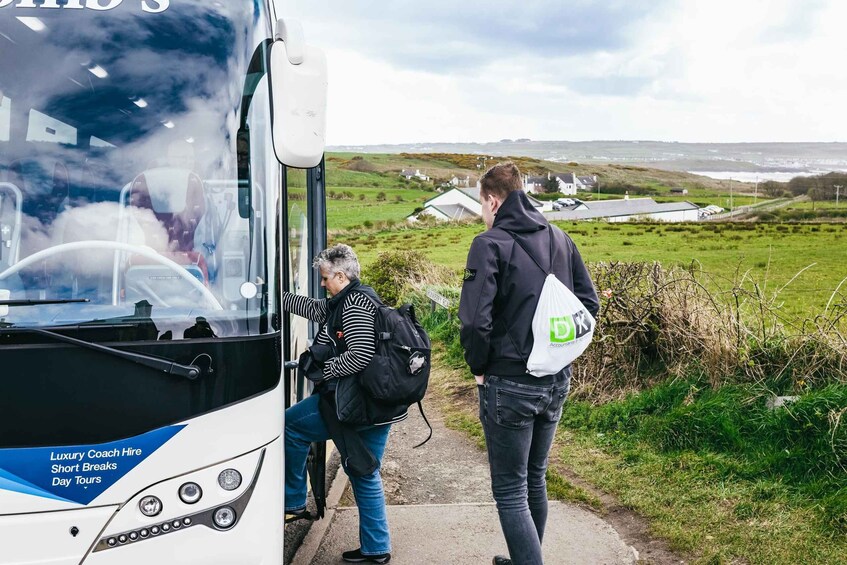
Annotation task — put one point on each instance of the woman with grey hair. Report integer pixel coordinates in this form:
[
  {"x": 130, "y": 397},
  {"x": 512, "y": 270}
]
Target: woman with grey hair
[{"x": 344, "y": 346}]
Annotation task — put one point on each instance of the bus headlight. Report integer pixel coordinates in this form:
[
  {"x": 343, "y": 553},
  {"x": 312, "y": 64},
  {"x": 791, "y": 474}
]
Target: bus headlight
[
  {"x": 150, "y": 506},
  {"x": 229, "y": 479},
  {"x": 218, "y": 515},
  {"x": 224, "y": 517},
  {"x": 190, "y": 493}
]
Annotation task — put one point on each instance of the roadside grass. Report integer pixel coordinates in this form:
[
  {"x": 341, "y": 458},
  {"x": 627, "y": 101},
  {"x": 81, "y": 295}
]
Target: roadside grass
[
  {"x": 718, "y": 473},
  {"x": 559, "y": 488},
  {"x": 801, "y": 265},
  {"x": 729, "y": 501},
  {"x": 719, "y": 517}
]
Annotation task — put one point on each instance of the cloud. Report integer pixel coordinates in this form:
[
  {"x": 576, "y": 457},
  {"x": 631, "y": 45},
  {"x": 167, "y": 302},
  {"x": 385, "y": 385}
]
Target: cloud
[
  {"x": 688, "y": 71},
  {"x": 445, "y": 36}
]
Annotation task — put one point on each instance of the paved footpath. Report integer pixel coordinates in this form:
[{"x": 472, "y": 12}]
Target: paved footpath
[{"x": 440, "y": 509}]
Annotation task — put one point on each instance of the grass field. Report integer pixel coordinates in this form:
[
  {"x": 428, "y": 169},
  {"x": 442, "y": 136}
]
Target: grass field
[
  {"x": 766, "y": 254},
  {"x": 347, "y": 171},
  {"x": 364, "y": 206}
]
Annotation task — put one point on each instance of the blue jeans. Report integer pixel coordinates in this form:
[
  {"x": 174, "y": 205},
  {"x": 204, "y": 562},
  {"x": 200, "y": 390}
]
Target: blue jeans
[
  {"x": 519, "y": 421},
  {"x": 304, "y": 425}
]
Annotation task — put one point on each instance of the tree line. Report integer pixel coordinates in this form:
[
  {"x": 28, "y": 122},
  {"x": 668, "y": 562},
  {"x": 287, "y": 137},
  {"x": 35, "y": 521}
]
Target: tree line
[{"x": 820, "y": 187}]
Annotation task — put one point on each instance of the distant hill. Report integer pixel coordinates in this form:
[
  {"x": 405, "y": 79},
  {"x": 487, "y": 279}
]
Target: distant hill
[
  {"x": 441, "y": 167},
  {"x": 673, "y": 156}
]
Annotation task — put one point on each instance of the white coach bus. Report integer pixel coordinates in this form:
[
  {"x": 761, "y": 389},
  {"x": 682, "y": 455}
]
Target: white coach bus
[{"x": 161, "y": 179}]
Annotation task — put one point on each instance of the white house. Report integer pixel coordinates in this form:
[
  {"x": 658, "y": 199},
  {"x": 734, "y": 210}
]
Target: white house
[
  {"x": 566, "y": 181},
  {"x": 461, "y": 182},
  {"x": 409, "y": 174},
  {"x": 460, "y": 204},
  {"x": 587, "y": 182},
  {"x": 627, "y": 209}
]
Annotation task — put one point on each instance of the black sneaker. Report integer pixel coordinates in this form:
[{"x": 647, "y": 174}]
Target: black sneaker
[
  {"x": 356, "y": 556},
  {"x": 500, "y": 560}
]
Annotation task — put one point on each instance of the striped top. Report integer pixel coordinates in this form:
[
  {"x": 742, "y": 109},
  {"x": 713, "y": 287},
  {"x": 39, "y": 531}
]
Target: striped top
[{"x": 357, "y": 325}]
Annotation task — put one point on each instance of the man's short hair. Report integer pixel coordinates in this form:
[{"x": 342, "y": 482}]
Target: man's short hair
[{"x": 500, "y": 180}]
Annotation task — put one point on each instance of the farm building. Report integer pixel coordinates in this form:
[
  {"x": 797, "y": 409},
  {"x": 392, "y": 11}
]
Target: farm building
[
  {"x": 624, "y": 210},
  {"x": 460, "y": 204}
]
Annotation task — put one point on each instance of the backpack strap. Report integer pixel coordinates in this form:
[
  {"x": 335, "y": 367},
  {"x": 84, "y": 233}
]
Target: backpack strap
[
  {"x": 420, "y": 407},
  {"x": 546, "y": 272},
  {"x": 380, "y": 336},
  {"x": 519, "y": 242}
]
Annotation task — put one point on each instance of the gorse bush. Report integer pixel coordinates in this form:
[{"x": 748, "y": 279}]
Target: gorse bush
[
  {"x": 396, "y": 273},
  {"x": 360, "y": 164},
  {"x": 658, "y": 322}
]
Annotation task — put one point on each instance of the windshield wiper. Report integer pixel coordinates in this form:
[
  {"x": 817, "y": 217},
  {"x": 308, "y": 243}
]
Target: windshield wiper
[
  {"x": 190, "y": 372},
  {"x": 30, "y": 302}
]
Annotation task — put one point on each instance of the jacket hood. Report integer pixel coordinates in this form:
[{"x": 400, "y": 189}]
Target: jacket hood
[{"x": 517, "y": 214}]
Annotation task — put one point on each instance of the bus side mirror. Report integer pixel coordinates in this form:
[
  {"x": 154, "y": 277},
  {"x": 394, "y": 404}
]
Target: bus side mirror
[{"x": 298, "y": 81}]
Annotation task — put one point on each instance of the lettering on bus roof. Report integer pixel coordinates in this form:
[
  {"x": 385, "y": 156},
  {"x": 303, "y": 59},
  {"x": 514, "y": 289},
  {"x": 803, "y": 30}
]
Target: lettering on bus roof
[{"x": 149, "y": 6}]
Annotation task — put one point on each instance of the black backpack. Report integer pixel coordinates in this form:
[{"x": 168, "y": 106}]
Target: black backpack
[
  {"x": 399, "y": 370},
  {"x": 398, "y": 374}
]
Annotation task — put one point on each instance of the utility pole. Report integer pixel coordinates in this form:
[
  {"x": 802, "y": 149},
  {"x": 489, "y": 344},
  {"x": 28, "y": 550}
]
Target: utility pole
[
  {"x": 756, "y": 191},
  {"x": 730, "y": 197},
  {"x": 838, "y": 188}
]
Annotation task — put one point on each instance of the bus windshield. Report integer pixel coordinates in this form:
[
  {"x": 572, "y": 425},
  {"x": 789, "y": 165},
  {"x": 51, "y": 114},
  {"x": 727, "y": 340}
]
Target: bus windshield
[{"x": 137, "y": 177}]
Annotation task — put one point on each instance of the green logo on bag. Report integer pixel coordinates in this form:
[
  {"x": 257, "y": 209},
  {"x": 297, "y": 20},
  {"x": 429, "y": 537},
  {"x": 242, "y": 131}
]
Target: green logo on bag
[{"x": 562, "y": 329}]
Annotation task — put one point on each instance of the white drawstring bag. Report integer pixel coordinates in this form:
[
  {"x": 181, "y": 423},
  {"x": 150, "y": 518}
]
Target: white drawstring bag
[{"x": 561, "y": 329}]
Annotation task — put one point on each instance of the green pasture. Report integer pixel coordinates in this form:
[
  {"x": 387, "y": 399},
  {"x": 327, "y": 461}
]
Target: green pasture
[
  {"x": 819, "y": 205},
  {"x": 340, "y": 179},
  {"x": 766, "y": 255},
  {"x": 346, "y": 213}
]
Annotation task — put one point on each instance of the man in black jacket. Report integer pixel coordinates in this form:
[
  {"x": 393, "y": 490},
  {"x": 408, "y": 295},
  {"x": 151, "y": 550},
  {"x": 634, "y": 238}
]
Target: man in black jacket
[{"x": 519, "y": 412}]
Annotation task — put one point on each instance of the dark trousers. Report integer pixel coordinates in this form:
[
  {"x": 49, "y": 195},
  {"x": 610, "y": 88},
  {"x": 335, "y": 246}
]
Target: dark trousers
[{"x": 519, "y": 421}]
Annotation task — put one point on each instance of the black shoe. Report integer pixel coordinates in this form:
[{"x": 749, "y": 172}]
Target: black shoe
[
  {"x": 356, "y": 556},
  {"x": 500, "y": 560},
  {"x": 294, "y": 515}
]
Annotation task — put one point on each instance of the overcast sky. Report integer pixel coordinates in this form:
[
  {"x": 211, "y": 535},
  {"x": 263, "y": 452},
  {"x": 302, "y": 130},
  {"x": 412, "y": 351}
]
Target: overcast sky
[{"x": 405, "y": 71}]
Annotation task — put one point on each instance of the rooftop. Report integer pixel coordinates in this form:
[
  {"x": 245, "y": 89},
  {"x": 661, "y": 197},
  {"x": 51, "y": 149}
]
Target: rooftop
[{"x": 621, "y": 207}]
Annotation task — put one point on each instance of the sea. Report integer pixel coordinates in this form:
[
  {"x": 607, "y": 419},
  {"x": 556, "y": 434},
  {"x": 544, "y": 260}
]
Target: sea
[{"x": 755, "y": 177}]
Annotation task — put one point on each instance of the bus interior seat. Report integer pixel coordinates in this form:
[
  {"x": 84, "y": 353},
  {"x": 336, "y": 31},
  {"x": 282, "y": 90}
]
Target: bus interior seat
[{"x": 177, "y": 201}]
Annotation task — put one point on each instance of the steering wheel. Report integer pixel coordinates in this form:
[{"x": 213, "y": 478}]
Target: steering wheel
[{"x": 144, "y": 251}]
